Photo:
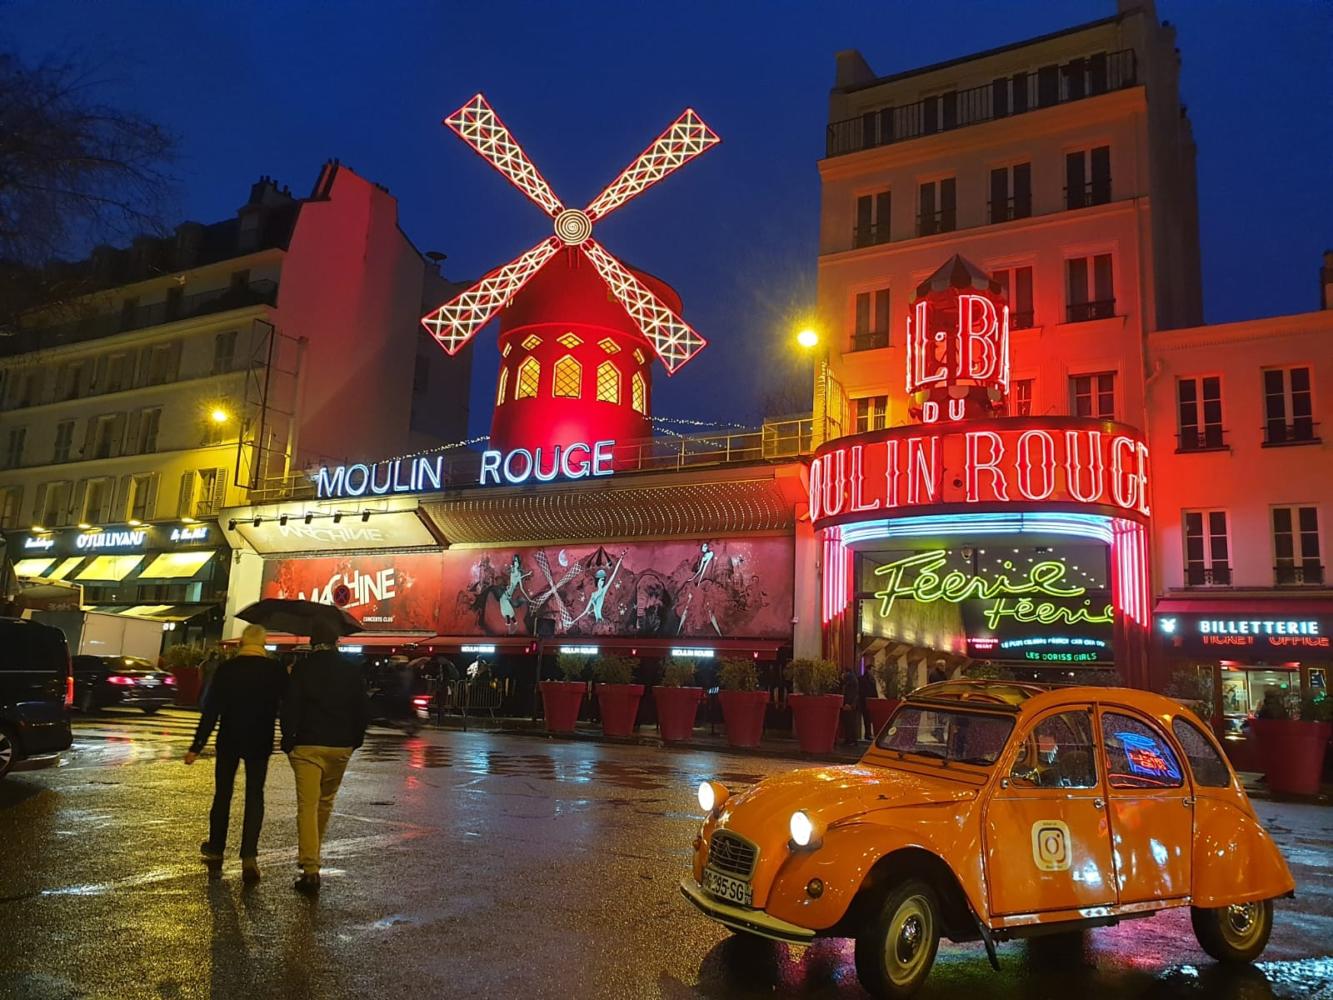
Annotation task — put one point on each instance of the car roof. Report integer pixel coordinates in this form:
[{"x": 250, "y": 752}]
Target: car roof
[{"x": 1026, "y": 698}]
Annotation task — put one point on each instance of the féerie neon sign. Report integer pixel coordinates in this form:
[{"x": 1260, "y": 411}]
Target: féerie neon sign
[{"x": 1010, "y": 593}]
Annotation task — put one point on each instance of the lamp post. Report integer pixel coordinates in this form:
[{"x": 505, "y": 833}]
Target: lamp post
[{"x": 811, "y": 342}]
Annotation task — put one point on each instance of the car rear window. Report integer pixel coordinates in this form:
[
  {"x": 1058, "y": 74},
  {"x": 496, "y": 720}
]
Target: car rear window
[
  {"x": 944, "y": 734},
  {"x": 1137, "y": 755},
  {"x": 30, "y": 646},
  {"x": 1209, "y": 769}
]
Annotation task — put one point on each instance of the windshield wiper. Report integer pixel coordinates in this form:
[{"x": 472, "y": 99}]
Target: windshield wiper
[
  {"x": 933, "y": 754},
  {"x": 975, "y": 760}
]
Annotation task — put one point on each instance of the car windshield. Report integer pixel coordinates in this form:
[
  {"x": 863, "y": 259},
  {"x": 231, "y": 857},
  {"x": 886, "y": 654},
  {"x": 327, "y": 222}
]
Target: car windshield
[{"x": 944, "y": 734}]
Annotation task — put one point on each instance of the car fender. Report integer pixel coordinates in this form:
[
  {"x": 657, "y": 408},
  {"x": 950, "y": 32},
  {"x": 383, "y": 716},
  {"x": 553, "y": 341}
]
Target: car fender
[
  {"x": 846, "y": 857},
  {"x": 1235, "y": 859}
]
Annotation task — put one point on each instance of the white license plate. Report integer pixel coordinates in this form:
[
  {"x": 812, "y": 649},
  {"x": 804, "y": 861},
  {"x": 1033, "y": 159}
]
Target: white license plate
[
  {"x": 733, "y": 890},
  {"x": 148, "y": 682}
]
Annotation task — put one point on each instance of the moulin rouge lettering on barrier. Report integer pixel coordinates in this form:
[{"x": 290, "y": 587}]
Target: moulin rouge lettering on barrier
[
  {"x": 917, "y": 466},
  {"x": 1012, "y": 595}
]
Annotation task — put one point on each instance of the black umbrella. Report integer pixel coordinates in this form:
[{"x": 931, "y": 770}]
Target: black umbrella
[{"x": 299, "y": 617}]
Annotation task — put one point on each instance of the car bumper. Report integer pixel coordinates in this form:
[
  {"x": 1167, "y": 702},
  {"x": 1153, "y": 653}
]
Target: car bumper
[{"x": 741, "y": 919}]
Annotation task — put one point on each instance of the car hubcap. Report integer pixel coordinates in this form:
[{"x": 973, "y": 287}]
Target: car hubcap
[
  {"x": 1241, "y": 923},
  {"x": 907, "y": 946},
  {"x": 6, "y": 752}
]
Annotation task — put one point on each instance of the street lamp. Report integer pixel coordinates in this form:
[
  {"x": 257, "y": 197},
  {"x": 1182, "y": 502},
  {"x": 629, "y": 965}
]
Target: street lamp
[
  {"x": 218, "y": 415},
  {"x": 807, "y": 337}
]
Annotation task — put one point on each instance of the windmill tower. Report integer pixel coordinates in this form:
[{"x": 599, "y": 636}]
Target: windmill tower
[{"x": 578, "y": 329}]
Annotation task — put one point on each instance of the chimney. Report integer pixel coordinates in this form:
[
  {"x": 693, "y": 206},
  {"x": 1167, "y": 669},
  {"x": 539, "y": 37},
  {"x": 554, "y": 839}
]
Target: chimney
[
  {"x": 189, "y": 240},
  {"x": 1326, "y": 279},
  {"x": 852, "y": 70}
]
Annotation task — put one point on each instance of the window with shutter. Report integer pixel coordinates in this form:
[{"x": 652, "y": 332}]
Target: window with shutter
[
  {"x": 185, "y": 502},
  {"x": 39, "y": 504}
]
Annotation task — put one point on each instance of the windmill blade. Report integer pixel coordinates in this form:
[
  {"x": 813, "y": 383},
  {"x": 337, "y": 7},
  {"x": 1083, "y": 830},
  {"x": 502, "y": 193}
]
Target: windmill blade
[
  {"x": 458, "y": 320},
  {"x": 480, "y": 127},
  {"x": 683, "y": 140},
  {"x": 674, "y": 340}
]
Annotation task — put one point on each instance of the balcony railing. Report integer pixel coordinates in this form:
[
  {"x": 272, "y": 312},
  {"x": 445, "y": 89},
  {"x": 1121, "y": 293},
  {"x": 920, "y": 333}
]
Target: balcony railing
[
  {"x": 1088, "y": 193},
  {"x": 1082, "y": 312},
  {"x": 1300, "y": 431},
  {"x": 775, "y": 440},
  {"x": 869, "y": 236},
  {"x": 1002, "y": 98},
  {"x": 1024, "y": 320},
  {"x": 1216, "y": 575},
  {"x": 1013, "y": 207},
  {"x": 1201, "y": 439},
  {"x": 107, "y": 324},
  {"x": 944, "y": 220},
  {"x": 1305, "y": 574},
  {"x": 870, "y": 340}
]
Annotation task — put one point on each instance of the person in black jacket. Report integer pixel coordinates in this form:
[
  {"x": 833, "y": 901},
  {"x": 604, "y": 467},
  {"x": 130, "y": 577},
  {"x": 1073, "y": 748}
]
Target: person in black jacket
[
  {"x": 242, "y": 701},
  {"x": 324, "y": 718}
]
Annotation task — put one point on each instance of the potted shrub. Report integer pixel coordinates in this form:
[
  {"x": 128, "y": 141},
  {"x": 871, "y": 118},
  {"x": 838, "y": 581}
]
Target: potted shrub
[
  {"x": 561, "y": 700},
  {"x": 1292, "y": 734},
  {"x": 743, "y": 704},
  {"x": 816, "y": 705},
  {"x": 1193, "y": 687},
  {"x": 892, "y": 685},
  {"x": 617, "y": 695},
  {"x": 184, "y": 662},
  {"x": 677, "y": 698}
]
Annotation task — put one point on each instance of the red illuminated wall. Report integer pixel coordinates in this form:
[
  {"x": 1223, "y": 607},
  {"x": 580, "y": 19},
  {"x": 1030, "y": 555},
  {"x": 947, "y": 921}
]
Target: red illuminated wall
[
  {"x": 567, "y": 299},
  {"x": 388, "y": 593}
]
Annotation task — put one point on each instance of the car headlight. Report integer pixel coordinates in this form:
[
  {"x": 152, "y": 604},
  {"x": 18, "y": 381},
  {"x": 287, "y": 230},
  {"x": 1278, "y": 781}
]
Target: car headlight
[
  {"x": 711, "y": 795},
  {"x": 802, "y": 829}
]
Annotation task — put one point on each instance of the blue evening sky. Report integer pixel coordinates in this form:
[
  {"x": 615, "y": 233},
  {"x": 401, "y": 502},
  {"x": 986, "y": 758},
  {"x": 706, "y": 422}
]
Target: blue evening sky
[{"x": 276, "y": 88}]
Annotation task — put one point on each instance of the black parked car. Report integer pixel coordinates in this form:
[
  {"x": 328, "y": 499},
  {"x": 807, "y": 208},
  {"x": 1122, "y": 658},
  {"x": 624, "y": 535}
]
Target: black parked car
[
  {"x": 35, "y": 688},
  {"x": 100, "y": 681}
]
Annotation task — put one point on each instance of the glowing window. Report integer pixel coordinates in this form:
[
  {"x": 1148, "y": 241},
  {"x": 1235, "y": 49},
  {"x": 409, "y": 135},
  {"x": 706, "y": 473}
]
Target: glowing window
[
  {"x": 608, "y": 383},
  {"x": 638, "y": 355},
  {"x": 609, "y": 345},
  {"x": 569, "y": 340},
  {"x": 507, "y": 349},
  {"x": 529, "y": 372},
  {"x": 531, "y": 341},
  {"x": 504, "y": 384},
  {"x": 638, "y": 393},
  {"x": 568, "y": 378}
]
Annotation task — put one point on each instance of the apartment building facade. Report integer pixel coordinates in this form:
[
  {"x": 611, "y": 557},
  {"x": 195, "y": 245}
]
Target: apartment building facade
[
  {"x": 206, "y": 366},
  {"x": 1238, "y": 414}
]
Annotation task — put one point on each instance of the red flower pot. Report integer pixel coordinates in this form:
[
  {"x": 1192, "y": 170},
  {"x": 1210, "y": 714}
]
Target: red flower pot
[
  {"x": 561, "y": 701},
  {"x": 1292, "y": 753},
  {"x": 188, "y": 682},
  {"x": 676, "y": 708},
  {"x": 619, "y": 704},
  {"x": 743, "y": 713},
  {"x": 880, "y": 709},
  {"x": 815, "y": 718}
]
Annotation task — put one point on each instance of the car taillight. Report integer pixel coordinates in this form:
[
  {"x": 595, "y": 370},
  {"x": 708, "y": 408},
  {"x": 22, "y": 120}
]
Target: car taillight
[
  {"x": 121, "y": 681},
  {"x": 69, "y": 690},
  {"x": 421, "y": 701},
  {"x": 169, "y": 680}
]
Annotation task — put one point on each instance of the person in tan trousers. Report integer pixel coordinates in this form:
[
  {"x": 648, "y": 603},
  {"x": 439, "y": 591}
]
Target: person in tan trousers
[{"x": 324, "y": 718}]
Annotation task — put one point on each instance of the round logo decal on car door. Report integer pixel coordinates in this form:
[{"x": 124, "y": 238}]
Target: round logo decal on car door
[{"x": 1050, "y": 845}]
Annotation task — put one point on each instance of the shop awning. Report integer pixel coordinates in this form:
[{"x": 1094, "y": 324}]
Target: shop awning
[
  {"x": 109, "y": 569},
  {"x": 176, "y": 565},
  {"x": 155, "y": 612},
  {"x": 1240, "y": 606},
  {"x": 65, "y": 568},
  {"x": 32, "y": 567}
]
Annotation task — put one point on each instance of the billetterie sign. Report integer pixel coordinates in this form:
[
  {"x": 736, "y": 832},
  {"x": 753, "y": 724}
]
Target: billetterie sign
[
  {"x": 427, "y": 473},
  {"x": 1065, "y": 460}
]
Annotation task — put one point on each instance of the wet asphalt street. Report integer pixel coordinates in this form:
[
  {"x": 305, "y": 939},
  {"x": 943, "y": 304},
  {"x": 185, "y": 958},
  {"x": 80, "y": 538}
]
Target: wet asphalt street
[{"x": 473, "y": 865}]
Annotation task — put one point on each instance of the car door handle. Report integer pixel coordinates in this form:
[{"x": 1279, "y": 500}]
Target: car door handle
[
  {"x": 1098, "y": 803},
  {"x": 1187, "y": 802}
]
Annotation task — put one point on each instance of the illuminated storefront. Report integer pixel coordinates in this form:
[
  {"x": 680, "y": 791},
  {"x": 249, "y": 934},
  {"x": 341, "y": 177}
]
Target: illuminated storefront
[{"x": 972, "y": 535}]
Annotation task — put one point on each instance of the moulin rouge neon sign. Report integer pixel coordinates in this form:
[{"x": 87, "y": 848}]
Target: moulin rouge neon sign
[{"x": 917, "y": 578}]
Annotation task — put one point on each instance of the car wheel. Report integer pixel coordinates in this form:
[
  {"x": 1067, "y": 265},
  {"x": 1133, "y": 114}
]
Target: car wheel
[
  {"x": 150, "y": 709},
  {"x": 897, "y": 947},
  {"x": 9, "y": 750},
  {"x": 1236, "y": 933}
]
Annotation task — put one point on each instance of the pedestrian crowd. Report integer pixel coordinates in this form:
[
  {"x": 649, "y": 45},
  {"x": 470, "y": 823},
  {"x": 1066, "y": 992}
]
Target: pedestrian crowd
[{"x": 321, "y": 702}]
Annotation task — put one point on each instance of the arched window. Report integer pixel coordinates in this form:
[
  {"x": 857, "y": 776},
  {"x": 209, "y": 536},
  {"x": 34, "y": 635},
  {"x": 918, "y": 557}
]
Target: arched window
[
  {"x": 529, "y": 373},
  {"x": 638, "y": 393},
  {"x": 504, "y": 384},
  {"x": 568, "y": 378},
  {"x": 608, "y": 383}
]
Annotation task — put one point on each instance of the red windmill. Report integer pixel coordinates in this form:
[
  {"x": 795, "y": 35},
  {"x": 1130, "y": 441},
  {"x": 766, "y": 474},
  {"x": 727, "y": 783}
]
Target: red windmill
[{"x": 573, "y": 366}]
